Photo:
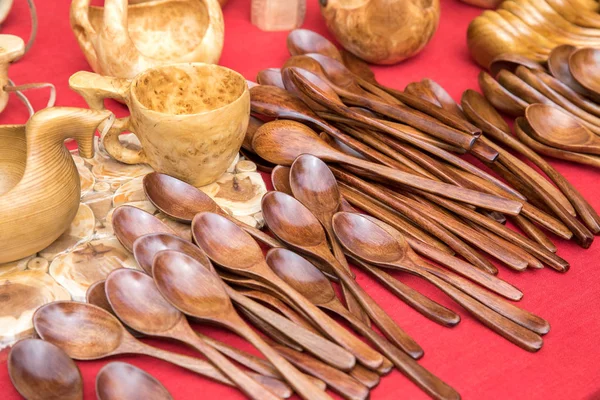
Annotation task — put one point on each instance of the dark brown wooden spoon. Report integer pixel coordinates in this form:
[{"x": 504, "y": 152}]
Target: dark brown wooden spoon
[
  {"x": 558, "y": 64},
  {"x": 87, "y": 332},
  {"x": 583, "y": 65},
  {"x": 294, "y": 224},
  {"x": 308, "y": 280},
  {"x": 511, "y": 61},
  {"x": 39, "y": 370},
  {"x": 500, "y": 97},
  {"x": 137, "y": 302},
  {"x": 129, "y": 223},
  {"x": 233, "y": 249},
  {"x": 181, "y": 201},
  {"x": 198, "y": 292},
  {"x": 282, "y": 141},
  {"x": 302, "y": 41},
  {"x": 372, "y": 243},
  {"x": 146, "y": 247},
  {"x": 280, "y": 179},
  {"x": 123, "y": 381},
  {"x": 270, "y": 76},
  {"x": 558, "y": 129},
  {"x": 253, "y": 124}
]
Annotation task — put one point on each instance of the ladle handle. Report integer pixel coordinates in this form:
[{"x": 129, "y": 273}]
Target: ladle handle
[
  {"x": 323, "y": 349},
  {"x": 95, "y": 88},
  {"x": 302, "y": 386},
  {"x": 430, "y": 383},
  {"x": 484, "y": 200}
]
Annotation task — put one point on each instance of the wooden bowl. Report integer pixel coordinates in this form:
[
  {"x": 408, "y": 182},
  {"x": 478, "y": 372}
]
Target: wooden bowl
[
  {"x": 124, "y": 40},
  {"x": 365, "y": 29}
]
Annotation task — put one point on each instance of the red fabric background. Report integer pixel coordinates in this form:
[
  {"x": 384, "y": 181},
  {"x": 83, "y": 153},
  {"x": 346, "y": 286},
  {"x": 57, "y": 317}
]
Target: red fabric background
[{"x": 478, "y": 363}]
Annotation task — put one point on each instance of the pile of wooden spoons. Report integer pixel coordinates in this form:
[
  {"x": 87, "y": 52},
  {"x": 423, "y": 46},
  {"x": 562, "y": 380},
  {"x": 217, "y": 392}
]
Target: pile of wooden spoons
[
  {"x": 533, "y": 28},
  {"x": 556, "y": 102}
]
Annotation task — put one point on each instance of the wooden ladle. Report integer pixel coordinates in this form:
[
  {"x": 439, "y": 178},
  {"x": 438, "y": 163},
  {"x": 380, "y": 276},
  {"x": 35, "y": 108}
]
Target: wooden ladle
[
  {"x": 370, "y": 242},
  {"x": 310, "y": 282},
  {"x": 122, "y": 381},
  {"x": 294, "y": 224},
  {"x": 198, "y": 292},
  {"x": 282, "y": 141},
  {"x": 87, "y": 332},
  {"x": 233, "y": 249},
  {"x": 558, "y": 129},
  {"x": 39, "y": 370},
  {"x": 137, "y": 302},
  {"x": 182, "y": 201}
]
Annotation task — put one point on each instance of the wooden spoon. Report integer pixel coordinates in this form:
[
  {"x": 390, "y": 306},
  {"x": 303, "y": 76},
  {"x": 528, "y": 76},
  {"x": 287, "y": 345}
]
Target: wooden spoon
[
  {"x": 196, "y": 291},
  {"x": 294, "y": 224},
  {"x": 129, "y": 223},
  {"x": 558, "y": 129},
  {"x": 87, "y": 332},
  {"x": 558, "y": 64},
  {"x": 511, "y": 61},
  {"x": 122, "y": 381},
  {"x": 302, "y": 41},
  {"x": 311, "y": 342},
  {"x": 228, "y": 246},
  {"x": 270, "y": 76},
  {"x": 309, "y": 281},
  {"x": 39, "y": 370},
  {"x": 385, "y": 249},
  {"x": 138, "y": 303},
  {"x": 282, "y": 141},
  {"x": 182, "y": 201},
  {"x": 500, "y": 97},
  {"x": 583, "y": 65}
]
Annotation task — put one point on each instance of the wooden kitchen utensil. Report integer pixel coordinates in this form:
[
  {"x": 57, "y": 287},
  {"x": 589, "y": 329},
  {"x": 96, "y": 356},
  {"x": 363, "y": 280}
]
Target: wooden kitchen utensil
[{"x": 123, "y": 381}]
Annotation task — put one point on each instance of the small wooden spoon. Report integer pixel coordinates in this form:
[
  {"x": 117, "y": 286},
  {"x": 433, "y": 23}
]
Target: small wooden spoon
[
  {"x": 302, "y": 41},
  {"x": 558, "y": 64},
  {"x": 228, "y": 246},
  {"x": 511, "y": 61},
  {"x": 583, "y": 65},
  {"x": 270, "y": 76},
  {"x": 129, "y": 223},
  {"x": 500, "y": 97},
  {"x": 294, "y": 224},
  {"x": 122, "y": 381},
  {"x": 558, "y": 129},
  {"x": 146, "y": 247},
  {"x": 137, "y": 302},
  {"x": 87, "y": 332},
  {"x": 182, "y": 201},
  {"x": 282, "y": 141},
  {"x": 372, "y": 243},
  {"x": 309, "y": 281},
  {"x": 39, "y": 370},
  {"x": 198, "y": 292}
]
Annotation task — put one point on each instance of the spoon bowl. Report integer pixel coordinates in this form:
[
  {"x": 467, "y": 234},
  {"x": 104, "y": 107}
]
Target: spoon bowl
[
  {"x": 559, "y": 66},
  {"x": 129, "y": 223},
  {"x": 147, "y": 246},
  {"x": 584, "y": 67},
  {"x": 39, "y": 370},
  {"x": 303, "y": 41},
  {"x": 122, "y": 381}
]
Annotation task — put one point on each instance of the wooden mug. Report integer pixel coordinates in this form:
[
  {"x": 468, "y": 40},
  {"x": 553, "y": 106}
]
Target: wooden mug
[{"x": 190, "y": 118}]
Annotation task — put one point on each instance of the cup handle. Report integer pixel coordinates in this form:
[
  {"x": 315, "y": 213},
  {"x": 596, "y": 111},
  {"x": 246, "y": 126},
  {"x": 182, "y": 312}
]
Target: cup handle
[{"x": 94, "y": 89}]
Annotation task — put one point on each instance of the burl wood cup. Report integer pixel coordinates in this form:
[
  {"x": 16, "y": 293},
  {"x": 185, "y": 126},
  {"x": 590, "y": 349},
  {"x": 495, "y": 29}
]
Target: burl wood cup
[{"x": 190, "y": 118}]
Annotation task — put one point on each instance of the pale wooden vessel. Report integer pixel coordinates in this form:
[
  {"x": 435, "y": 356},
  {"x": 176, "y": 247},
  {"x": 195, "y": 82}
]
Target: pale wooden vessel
[
  {"x": 277, "y": 15},
  {"x": 124, "y": 40}
]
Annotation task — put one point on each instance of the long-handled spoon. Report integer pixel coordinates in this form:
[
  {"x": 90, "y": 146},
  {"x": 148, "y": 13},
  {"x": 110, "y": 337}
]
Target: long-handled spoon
[
  {"x": 198, "y": 292},
  {"x": 556, "y": 128},
  {"x": 39, "y": 370},
  {"x": 123, "y": 381},
  {"x": 87, "y": 332},
  {"x": 138, "y": 303},
  {"x": 370, "y": 242},
  {"x": 294, "y": 224},
  {"x": 309, "y": 281},
  {"x": 130, "y": 222},
  {"x": 182, "y": 201},
  {"x": 500, "y": 97},
  {"x": 270, "y": 76},
  {"x": 323, "y": 198},
  {"x": 558, "y": 64},
  {"x": 282, "y": 141},
  {"x": 233, "y": 249},
  {"x": 146, "y": 247}
]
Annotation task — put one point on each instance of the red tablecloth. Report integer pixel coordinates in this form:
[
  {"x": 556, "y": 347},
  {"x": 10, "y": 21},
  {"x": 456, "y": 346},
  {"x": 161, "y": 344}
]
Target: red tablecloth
[{"x": 478, "y": 363}]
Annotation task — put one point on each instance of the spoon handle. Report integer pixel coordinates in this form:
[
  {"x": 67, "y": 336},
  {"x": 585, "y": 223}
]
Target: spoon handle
[
  {"x": 365, "y": 376},
  {"x": 247, "y": 385},
  {"x": 431, "y": 384},
  {"x": 323, "y": 349},
  {"x": 365, "y": 354},
  {"x": 423, "y": 304},
  {"x": 256, "y": 233},
  {"x": 505, "y": 327},
  {"x": 484, "y": 200},
  {"x": 302, "y": 386},
  {"x": 383, "y": 321},
  {"x": 337, "y": 380},
  {"x": 501, "y": 306}
]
